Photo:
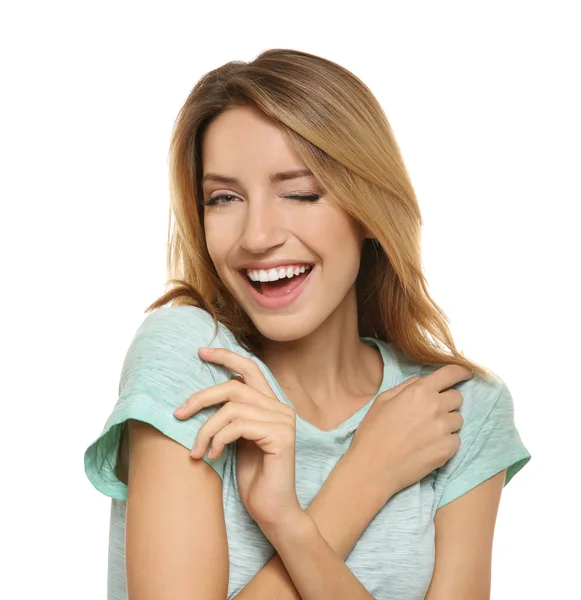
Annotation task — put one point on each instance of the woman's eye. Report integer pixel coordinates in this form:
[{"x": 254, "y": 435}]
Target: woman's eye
[
  {"x": 219, "y": 200},
  {"x": 305, "y": 198}
]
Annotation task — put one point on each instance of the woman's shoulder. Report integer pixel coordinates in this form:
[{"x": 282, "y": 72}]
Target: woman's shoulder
[
  {"x": 187, "y": 324},
  {"x": 480, "y": 393},
  {"x": 167, "y": 342},
  {"x": 178, "y": 317}
]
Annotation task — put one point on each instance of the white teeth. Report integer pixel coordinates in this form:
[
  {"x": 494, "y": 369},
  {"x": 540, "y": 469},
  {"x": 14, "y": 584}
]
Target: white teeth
[{"x": 276, "y": 273}]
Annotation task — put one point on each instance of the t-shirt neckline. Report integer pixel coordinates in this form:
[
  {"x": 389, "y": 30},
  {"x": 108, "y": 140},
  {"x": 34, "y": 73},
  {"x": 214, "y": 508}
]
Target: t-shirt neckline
[{"x": 350, "y": 424}]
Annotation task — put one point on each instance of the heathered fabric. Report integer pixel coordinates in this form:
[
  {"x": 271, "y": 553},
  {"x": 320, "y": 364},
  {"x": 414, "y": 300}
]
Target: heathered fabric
[{"x": 394, "y": 557}]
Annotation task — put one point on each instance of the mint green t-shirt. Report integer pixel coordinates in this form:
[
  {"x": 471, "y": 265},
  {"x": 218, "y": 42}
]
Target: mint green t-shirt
[{"x": 394, "y": 557}]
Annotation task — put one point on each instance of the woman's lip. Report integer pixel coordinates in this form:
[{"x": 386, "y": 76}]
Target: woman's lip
[{"x": 280, "y": 301}]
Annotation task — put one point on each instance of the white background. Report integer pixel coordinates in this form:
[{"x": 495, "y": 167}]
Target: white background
[{"x": 484, "y": 101}]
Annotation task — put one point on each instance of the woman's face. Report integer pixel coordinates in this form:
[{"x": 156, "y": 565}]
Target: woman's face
[{"x": 256, "y": 230}]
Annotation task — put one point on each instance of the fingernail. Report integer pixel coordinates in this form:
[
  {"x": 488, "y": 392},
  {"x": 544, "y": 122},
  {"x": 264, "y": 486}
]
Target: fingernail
[
  {"x": 207, "y": 350},
  {"x": 180, "y": 411}
]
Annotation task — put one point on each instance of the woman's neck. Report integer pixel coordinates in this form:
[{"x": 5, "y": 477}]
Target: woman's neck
[{"x": 330, "y": 364}]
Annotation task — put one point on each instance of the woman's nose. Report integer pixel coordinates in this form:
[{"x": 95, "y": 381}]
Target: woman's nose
[{"x": 263, "y": 228}]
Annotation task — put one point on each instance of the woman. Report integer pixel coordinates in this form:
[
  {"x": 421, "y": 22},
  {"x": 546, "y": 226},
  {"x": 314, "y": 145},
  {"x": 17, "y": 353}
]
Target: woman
[{"x": 340, "y": 451}]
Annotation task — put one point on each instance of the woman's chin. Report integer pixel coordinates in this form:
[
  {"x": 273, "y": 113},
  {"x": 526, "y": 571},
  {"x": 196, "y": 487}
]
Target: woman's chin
[{"x": 283, "y": 328}]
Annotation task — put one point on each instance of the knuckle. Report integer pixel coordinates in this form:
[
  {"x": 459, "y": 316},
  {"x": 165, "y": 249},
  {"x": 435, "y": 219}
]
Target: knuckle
[
  {"x": 287, "y": 410},
  {"x": 235, "y": 388},
  {"x": 248, "y": 368},
  {"x": 452, "y": 443},
  {"x": 217, "y": 438},
  {"x": 443, "y": 427},
  {"x": 240, "y": 425},
  {"x": 220, "y": 436},
  {"x": 417, "y": 391},
  {"x": 289, "y": 433},
  {"x": 456, "y": 442},
  {"x": 228, "y": 409},
  {"x": 455, "y": 393},
  {"x": 458, "y": 419},
  {"x": 232, "y": 384},
  {"x": 192, "y": 403},
  {"x": 254, "y": 367}
]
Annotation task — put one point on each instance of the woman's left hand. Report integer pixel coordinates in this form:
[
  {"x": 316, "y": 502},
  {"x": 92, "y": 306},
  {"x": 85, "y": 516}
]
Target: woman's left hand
[{"x": 265, "y": 429}]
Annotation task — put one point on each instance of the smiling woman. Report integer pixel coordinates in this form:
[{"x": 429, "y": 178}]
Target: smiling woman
[
  {"x": 265, "y": 220},
  {"x": 332, "y": 416}
]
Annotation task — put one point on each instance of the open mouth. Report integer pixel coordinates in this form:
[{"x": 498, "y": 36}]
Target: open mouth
[{"x": 278, "y": 282}]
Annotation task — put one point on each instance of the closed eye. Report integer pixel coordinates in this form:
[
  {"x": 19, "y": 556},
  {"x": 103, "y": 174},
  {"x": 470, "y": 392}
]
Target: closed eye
[{"x": 306, "y": 198}]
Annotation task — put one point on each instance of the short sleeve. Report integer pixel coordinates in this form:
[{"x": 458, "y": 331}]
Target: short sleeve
[
  {"x": 160, "y": 371},
  {"x": 490, "y": 441}
]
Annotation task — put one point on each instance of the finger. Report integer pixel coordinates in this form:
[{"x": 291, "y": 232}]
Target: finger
[
  {"x": 447, "y": 376},
  {"x": 270, "y": 437},
  {"x": 455, "y": 421},
  {"x": 451, "y": 399},
  {"x": 226, "y": 415},
  {"x": 246, "y": 367},
  {"x": 232, "y": 390}
]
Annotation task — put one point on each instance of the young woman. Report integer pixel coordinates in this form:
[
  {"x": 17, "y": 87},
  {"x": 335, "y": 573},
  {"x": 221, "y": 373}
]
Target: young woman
[{"x": 344, "y": 448}]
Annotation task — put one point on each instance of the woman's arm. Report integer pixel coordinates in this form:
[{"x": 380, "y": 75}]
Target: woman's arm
[
  {"x": 176, "y": 544},
  {"x": 341, "y": 513},
  {"x": 316, "y": 570},
  {"x": 164, "y": 558}
]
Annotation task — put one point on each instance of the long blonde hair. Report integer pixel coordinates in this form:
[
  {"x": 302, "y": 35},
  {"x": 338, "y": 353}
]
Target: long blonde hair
[{"x": 341, "y": 132}]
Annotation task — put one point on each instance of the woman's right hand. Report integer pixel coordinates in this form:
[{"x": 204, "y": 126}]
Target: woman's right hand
[{"x": 410, "y": 429}]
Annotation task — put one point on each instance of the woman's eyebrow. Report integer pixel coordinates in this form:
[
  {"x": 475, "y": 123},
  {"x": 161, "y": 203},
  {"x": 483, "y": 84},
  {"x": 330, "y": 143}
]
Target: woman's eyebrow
[{"x": 282, "y": 176}]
